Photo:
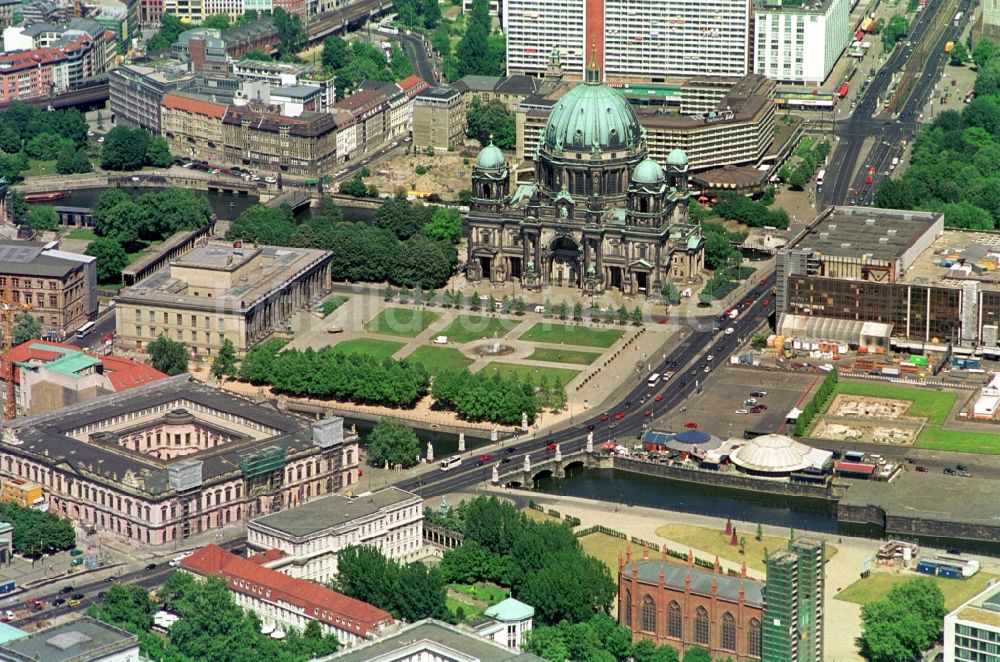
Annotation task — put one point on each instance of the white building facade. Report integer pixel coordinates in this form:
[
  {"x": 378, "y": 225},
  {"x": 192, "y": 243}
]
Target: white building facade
[
  {"x": 972, "y": 631},
  {"x": 312, "y": 535},
  {"x": 800, "y": 44},
  {"x": 635, "y": 40}
]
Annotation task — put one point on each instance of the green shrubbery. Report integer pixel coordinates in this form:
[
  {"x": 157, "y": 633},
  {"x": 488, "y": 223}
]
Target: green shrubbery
[{"x": 815, "y": 405}]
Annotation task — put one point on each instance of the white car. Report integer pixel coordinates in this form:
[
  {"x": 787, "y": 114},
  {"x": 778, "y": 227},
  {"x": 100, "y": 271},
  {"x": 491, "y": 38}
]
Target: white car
[
  {"x": 730, "y": 330},
  {"x": 742, "y": 411},
  {"x": 710, "y": 357},
  {"x": 270, "y": 180},
  {"x": 9, "y": 614},
  {"x": 101, "y": 140}
]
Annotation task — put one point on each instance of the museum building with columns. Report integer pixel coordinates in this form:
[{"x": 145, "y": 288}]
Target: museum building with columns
[{"x": 600, "y": 215}]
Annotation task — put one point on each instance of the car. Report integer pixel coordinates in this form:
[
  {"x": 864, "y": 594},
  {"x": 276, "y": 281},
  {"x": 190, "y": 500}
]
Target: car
[
  {"x": 101, "y": 140},
  {"x": 710, "y": 357},
  {"x": 72, "y": 602},
  {"x": 706, "y": 369},
  {"x": 510, "y": 449},
  {"x": 965, "y": 474},
  {"x": 486, "y": 457},
  {"x": 110, "y": 580},
  {"x": 742, "y": 411},
  {"x": 619, "y": 416},
  {"x": 10, "y": 614},
  {"x": 78, "y": 596},
  {"x": 506, "y": 460},
  {"x": 961, "y": 467},
  {"x": 872, "y": 170},
  {"x": 920, "y": 468},
  {"x": 763, "y": 281},
  {"x": 151, "y": 566},
  {"x": 604, "y": 417},
  {"x": 480, "y": 463},
  {"x": 690, "y": 425},
  {"x": 58, "y": 602},
  {"x": 954, "y": 550},
  {"x": 590, "y": 428},
  {"x": 758, "y": 394},
  {"x": 100, "y": 596},
  {"x": 766, "y": 303},
  {"x": 659, "y": 397},
  {"x": 948, "y": 471},
  {"x": 550, "y": 447},
  {"x": 869, "y": 180},
  {"x": 270, "y": 180},
  {"x": 730, "y": 330},
  {"x": 4, "y": 619},
  {"x": 65, "y": 589},
  {"x": 756, "y": 410},
  {"x": 90, "y": 134}
]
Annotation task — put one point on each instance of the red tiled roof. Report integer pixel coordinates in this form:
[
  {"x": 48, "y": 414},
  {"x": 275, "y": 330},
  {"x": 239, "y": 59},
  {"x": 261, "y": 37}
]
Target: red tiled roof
[
  {"x": 361, "y": 101},
  {"x": 126, "y": 373},
  {"x": 413, "y": 85},
  {"x": 266, "y": 557},
  {"x": 191, "y": 105},
  {"x": 323, "y": 604},
  {"x": 32, "y": 351}
]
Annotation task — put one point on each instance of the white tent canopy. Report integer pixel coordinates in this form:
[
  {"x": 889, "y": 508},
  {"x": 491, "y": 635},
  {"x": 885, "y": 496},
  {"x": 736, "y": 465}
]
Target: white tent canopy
[{"x": 852, "y": 332}]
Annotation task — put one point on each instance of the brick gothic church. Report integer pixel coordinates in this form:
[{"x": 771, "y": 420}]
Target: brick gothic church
[
  {"x": 599, "y": 215},
  {"x": 687, "y": 606}
]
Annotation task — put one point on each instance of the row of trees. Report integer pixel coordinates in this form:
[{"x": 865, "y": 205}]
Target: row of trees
[
  {"x": 815, "y": 405},
  {"x": 409, "y": 592},
  {"x": 541, "y": 562},
  {"x": 211, "y": 628},
  {"x": 407, "y": 244},
  {"x": 418, "y": 14},
  {"x": 27, "y": 132},
  {"x": 799, "y": 176},
  {"x": 329, "y": 373},
  {"x": 892, "y": 31},
  {"x": 491, "y": 396},
  {"x": 35, "y": 532},
  {"x": 903, "y": 624},
  {"x": 132, "y": 149},
  {"x": 150, "y": 216},
  {"x": 355, "y": 61},
  {"x": 479, "y": 52},
  {"x": 955, "y": 164}
]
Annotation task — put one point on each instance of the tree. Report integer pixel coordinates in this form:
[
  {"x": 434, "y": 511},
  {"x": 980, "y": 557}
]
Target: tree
[
  {"x": 491, "y": 123},
  {"x": 120, "y": 222},
  {"x": 158, "y": 153},
  {"x": 125, "y": 148},
  {"x": 410, "y": 592},
  {"x": 264, "y": 225},
  {"x": 26, "y": 327},
  {"x": 10, "y": 140},
  {"x": 959, "y": 54},
  {"x": 797, "y": 180},
  {"x": 45, "y": 146},
  {"x": 291, "y": 35},
  {"x": 335, "y": 52},
  {"x": 390, "y": 441},
  {"x": 670, "y": 292},
  {"x": 637, "y": 316},
  {"x": 401, "y": 217},
  {"x": 697, "y": 654},
  {"x": 983, "y": 52},
  {"x": 421, "y": 262},
  {"x": 72, "y": 160},
  {"x": 128, "y": 606},
  {"x": 168, "y": 356},
  {"x": 258, "y": 54},
  {"x": 111, "y": 259},
  {"x": 893, "y": 31},
  {"x": 354, "y": 187},
  {"x": 578, "y": 312},
  {"x": 225, "y": 361},
  {"x": 217, "y": 21},
  {"x": 445, "y": 225},
  {"x": 43, "y": 218}
]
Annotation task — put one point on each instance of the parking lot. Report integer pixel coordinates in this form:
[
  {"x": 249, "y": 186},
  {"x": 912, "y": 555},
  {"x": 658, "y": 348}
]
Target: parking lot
[{"x": 725, "y": 392}]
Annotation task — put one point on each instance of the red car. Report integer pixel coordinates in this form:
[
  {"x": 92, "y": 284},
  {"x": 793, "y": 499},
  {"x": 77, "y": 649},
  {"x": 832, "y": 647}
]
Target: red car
[
  {"x": 604, "y": 417},
  {"x": 485, "y": 458},
  {"x": 659, "y": 397},
  {"x": 619, "y": 416},
  {"x": 763, "y": 281},
  {"x": 922, "y": 470},
  {"x": 648, "y": 412},
  {"x": 872, "y": 170},
  {"x": 550, "y": 447},
  {"x": 691, "y": 426},
  {"x": 756, "y": 410},
  {"x": 767, "y": 302},
  {"x": 869, "y": 179}
]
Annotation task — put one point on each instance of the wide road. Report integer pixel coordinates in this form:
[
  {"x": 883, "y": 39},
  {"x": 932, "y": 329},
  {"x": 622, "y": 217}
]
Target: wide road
[
  {"x": 690, "y": 370},
  {"x": 416, "y": 49},
  {"x": 847, "y": 180}
]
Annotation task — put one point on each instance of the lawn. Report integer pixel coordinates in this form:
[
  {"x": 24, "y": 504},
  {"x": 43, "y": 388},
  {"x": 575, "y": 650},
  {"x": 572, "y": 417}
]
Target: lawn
[
  {"x": 378, "y": 349},
  {"x": 959, "y": 441},
  {"x": 332, "y": 304},
  {"x": 37, "y": 168},
  {"x": 606, "y": 549},
  {"x": 715, "y": 542},
  {"x": 927, "y": 403},
  {"x": 559, "y": 355},
  {"x": 565, "y": 334},
  {"x": 539, "y": 516},
  {"x": 436, "y": 359},
  {"x": 467, "y": 328},
  {"x": 470, "y": 611},
  {"x": 482, "y": 591},
  {"x": 407, "y": 322},
  {"x": 956, "y": 591},
  {"x": 534, "y": 373},
  {"x": 81, "y": 234}
]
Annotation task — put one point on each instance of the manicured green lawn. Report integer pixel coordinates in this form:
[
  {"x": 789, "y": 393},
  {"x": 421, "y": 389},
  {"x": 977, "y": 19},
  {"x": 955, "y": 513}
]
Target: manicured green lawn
[
  {"x": 488, "y": 593},
  {"x": 876, "y": 587},
  {"x": 715, "y": 542},
  {"x": 407, "y": 322},
  {"x": 332, "y": 304},
  {"x": 36, "y": 168},
  {"x": 559, "y": 355},
  {"x": 436, "y": 359},
  {"x": 379, "y": 349},
  {"x": 82, "y": 234},
  {"x": 559, "y": 334},
  {"x": 960, "y": 441},
  {"x": 470, "y": 611},
  {"x": 927, "y": 403},
  {"x": 466, "y": 328},
  {"x": 564, "y": 375}
]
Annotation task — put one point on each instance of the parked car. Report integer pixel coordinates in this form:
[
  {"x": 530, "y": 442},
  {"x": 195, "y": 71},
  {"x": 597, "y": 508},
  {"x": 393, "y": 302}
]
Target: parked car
[
  {"x": 72, "y": 602},
  {"x": 78, "y": 596},
  {"x": 151, "y": 566},
  {"x": 510, "y": 449},
  {"x": 758, "y": 394},
  {"x": 948, "y": 471},
  {"x": 922, "y": 469},
  {"x": 58, "y": 602},
  {"x": 961, "y": 467},
  {"x": 65, "y": 589},
  {"x": 742, "y": 411}
]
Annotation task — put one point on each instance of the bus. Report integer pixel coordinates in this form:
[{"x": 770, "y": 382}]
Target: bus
[
  {"x": 450, "y": 462},
  {"x": 85, "y": 330},
  {"x": 819, "y": 179},
  {"x": 654, "y": 379}
]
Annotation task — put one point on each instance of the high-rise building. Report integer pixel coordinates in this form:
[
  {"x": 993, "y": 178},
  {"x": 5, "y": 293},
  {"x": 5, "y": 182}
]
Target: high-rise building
[
  {"x": 793, "y": 603},
  {"x": 635, "y": 40},
  {"x": 800, "y": 44},
  {"x": 972, "y": 630}
]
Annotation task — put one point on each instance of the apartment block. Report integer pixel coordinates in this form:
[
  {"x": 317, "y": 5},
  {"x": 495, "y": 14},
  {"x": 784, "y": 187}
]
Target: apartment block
[
  {"x": 192, "y": 126},
  {"x": 260, "y": 137},
  {"x": 800, "y": 44},
  {"x": 438, "y": 119}
]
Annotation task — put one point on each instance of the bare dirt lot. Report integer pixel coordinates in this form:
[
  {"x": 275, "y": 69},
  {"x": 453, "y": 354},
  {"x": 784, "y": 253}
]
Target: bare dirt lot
[{"x": 445, "y": 173}]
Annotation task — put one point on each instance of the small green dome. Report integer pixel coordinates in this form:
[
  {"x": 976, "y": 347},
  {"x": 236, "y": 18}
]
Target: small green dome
[
  {"x": 490, "y": 157},
  {"x": 592, "y": 117},
  {"x": 677, "y": 157},
  {"x": 648, "y": 172}
]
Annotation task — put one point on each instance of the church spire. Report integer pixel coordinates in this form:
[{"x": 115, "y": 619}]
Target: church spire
[{"x": 593, "y": 69}]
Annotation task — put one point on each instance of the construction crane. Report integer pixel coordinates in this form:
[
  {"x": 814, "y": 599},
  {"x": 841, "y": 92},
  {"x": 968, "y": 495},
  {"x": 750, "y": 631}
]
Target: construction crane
[{"x": 8, "y": 311}]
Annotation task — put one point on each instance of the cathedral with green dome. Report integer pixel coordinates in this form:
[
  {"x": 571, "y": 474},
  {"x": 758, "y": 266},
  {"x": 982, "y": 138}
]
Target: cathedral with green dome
[{"x": 600, "y": 215}]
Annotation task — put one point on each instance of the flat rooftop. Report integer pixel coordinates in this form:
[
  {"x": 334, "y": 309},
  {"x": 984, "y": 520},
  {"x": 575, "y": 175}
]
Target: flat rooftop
[
  {"x": 958, "y": 256},
  {"x": 883, "y": 234},
  {"x": 85, "y": 639},
  {"x": 931, "y": 497},
  {"x": 331, "y": 512}
]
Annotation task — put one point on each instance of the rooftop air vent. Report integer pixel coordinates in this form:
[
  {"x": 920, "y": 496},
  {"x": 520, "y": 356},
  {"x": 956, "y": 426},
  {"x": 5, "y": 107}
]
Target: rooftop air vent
[{"x": 869, "y": 221}]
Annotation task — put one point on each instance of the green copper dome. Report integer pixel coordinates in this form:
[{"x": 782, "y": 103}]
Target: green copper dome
[
  {"x": 677, "y": 157},
  {"x": 648, "y": 172},
  {"x": 592, "y": 117},
  {"x": 490, "y": 157}
]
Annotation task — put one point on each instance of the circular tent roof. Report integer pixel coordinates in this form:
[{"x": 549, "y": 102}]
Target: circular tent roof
[
  {"x": 686, "y": 441},
  {"x": 490, "y": 157},
  {"x": 677, "y": 157},
  {"x": 592, "y": 117},
  {"x": 648, "y": 172},
  {"x": 772, "y": 453}
]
